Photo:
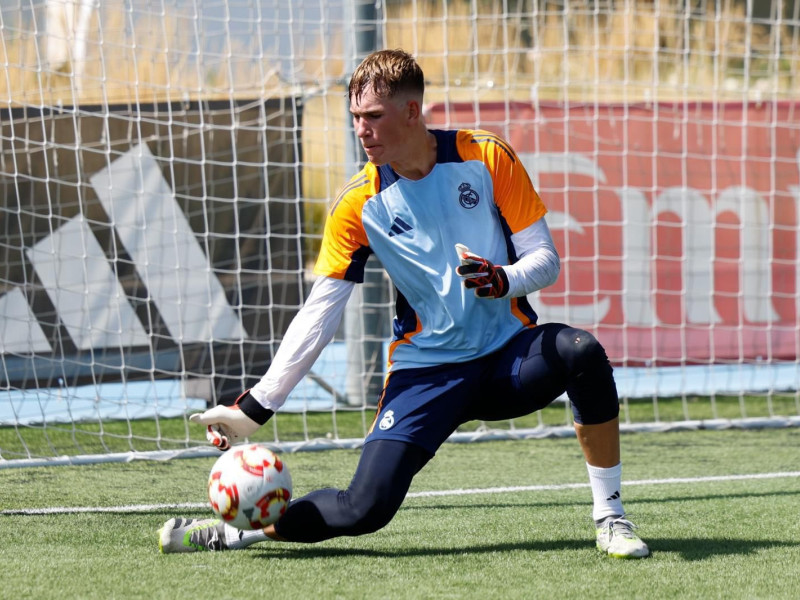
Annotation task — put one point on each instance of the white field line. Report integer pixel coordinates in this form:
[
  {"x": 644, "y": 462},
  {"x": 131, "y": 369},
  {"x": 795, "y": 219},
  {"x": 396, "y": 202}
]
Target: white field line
[
  {"x": 572, "y": 486},
  {"x": 136, "y": 508}
]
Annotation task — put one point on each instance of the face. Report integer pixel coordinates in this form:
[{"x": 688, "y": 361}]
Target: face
[{"x": 381, "y": 125}]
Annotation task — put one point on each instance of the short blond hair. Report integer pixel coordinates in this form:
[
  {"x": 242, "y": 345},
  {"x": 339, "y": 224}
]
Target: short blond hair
[{"x": 388, "y": 73}]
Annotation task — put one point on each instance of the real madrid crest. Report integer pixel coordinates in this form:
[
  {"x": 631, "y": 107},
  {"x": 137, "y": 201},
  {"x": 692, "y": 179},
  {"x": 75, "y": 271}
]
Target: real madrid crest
[{"x": 468, "y": 198}]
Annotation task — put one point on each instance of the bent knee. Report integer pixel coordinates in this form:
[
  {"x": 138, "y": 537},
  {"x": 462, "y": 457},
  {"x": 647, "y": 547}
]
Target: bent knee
[
  {"x": 591, "y": 387},
  {"x": 580, "y": 350}
]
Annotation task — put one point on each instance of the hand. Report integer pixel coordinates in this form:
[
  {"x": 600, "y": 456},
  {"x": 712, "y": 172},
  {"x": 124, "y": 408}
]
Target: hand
[
  {"x": 488, "y": 280},
  {"x": 226, "y": 425}
]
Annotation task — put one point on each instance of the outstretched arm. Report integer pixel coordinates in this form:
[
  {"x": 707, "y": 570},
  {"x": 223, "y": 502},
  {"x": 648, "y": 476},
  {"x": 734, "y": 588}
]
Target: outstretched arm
[{"x": 309, "y": 332}]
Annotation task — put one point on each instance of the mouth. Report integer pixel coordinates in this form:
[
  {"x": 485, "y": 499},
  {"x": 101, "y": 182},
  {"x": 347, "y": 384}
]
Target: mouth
[{"x": 373, "y": 154}]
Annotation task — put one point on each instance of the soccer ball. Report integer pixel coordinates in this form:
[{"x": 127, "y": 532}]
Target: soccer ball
[{"x": 249, "y": 487}]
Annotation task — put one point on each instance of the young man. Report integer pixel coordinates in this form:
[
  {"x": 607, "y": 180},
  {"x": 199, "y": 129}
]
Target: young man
[{"x": 456, "y": 223}]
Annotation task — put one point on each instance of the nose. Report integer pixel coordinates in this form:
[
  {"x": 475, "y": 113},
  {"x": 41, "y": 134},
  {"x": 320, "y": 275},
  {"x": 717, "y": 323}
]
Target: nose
[{"x": 362, "y": 130}]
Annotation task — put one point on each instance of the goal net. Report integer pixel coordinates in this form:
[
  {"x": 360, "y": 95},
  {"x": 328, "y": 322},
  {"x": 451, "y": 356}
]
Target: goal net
[{"x": 166, "y": 167}]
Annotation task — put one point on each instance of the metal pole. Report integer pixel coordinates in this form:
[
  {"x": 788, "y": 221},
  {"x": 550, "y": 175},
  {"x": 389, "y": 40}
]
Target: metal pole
[{"x": 364, "y": 320}]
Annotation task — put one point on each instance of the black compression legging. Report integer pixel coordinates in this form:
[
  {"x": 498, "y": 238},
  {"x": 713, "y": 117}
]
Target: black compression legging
[{"x": 376, "y": 492}]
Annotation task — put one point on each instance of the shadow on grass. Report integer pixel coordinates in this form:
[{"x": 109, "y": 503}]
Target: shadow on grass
[
  {"x": 695, "y": 549},
  {"x": 688, "y": 549},
  {"x": 316, "y": 551}
]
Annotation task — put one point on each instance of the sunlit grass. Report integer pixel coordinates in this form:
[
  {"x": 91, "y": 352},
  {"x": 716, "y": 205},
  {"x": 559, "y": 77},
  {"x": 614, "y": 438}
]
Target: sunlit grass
[{"x": 710, "y": 538}]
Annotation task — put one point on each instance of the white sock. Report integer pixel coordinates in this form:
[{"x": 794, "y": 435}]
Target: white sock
[
  {"x": 240, "y": 538},
  {"x": 606, "y": 486}
]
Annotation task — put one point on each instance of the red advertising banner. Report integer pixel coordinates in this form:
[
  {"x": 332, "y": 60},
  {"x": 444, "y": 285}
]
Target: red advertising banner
[{"x": 677, "y": 224}]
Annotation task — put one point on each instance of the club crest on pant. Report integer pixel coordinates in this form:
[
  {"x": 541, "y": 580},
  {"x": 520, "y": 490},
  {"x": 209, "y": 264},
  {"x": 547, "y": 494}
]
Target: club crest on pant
[{"x": 387, "y": 421}]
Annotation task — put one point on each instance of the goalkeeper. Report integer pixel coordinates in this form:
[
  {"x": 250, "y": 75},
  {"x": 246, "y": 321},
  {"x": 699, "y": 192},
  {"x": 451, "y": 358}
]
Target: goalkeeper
[{"x": 459, "y": 228}]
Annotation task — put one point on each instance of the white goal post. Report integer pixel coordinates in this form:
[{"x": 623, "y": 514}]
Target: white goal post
[{"x": 166, "y": 168}]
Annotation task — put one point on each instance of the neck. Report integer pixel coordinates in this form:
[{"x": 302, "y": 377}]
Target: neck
[{"x": 421, "y": 157}]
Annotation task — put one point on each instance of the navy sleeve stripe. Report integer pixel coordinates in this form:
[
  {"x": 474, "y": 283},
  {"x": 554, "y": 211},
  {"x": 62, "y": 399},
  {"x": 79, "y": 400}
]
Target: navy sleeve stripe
[
  {"x": 349, "y": 187},
  {"x": 495, "y": 140}
]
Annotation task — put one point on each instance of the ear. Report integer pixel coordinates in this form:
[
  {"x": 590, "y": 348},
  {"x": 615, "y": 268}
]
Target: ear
[{"x": 414, "y": 111}]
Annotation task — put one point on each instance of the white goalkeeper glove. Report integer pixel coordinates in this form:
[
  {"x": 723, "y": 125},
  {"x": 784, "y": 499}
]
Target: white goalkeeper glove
[
  {"x": 488, "y": 280},
  {"x": 226, "y": 425}
]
